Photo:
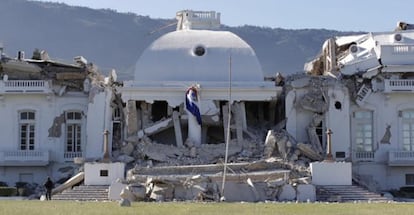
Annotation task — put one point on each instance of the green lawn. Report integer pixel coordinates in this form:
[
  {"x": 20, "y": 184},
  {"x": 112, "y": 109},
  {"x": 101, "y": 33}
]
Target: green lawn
[{"x": 26, "y": 207}]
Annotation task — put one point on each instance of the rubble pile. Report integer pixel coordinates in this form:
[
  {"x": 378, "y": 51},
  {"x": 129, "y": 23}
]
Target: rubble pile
[
  {"x": 257, "y": 181},
  {"x": 276, "y": 169},
  {"x": 147, "y": 152}
]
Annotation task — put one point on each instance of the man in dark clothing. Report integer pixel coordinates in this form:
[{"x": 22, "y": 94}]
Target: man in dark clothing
[{"x": 49, "y": 186}]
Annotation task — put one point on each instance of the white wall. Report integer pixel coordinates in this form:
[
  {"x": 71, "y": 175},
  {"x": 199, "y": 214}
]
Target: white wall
[
  {"x": 338, "y": 121},
  {"x": 99, "y": 120},
  {"x": 331, "y": 173},
  {"x": 10, "y": 175},
  {"x": 386, "y": 109},
  {"x": 297, "y": 119},
  {"x": 376, "y": 173},
  {"x": 47, "y": 108},
  {"x": 93, "y": 170}
]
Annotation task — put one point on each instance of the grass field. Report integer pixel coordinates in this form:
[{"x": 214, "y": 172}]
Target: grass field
[{"x": 34, "y": 207}]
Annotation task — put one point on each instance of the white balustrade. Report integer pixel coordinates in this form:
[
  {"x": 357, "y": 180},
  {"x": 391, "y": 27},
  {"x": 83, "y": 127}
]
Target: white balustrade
[
  {"x": 69, "y": 156},
  {"x": 24, "y": 86},
  {"x": 363, "y": 156},
  {"x": 399, "y": 85},
  {"x": 403, "y": 158},
  {"x": 24, "y": 156}
]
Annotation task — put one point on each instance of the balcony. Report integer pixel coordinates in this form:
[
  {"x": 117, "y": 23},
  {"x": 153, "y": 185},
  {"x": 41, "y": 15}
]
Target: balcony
[
  {"x": 361, "y": 156},
  {"x": 24, "y": 86},
  {"x": 24, "y": 158},
  {"x": 401, "y": 158}
]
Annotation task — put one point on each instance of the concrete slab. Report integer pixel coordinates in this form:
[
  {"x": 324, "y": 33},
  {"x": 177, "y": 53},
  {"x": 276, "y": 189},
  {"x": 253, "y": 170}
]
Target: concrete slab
[
  {"x": 287, "y": 193},
  {"x": 306, "y": 193}
]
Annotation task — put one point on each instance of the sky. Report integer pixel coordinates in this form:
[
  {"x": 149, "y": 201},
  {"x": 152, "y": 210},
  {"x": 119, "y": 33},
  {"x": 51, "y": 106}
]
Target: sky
[{"x": 345, "y": 15}]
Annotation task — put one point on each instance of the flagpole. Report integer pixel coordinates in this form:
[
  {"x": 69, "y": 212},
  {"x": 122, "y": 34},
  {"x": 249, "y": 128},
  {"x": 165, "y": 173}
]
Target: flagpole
[{"x": 223, "y": 198}]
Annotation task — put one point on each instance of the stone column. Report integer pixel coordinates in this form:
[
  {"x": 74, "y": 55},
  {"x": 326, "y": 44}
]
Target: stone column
[
  {"x": 106, "y": 158},
  {"x": 329, "y": 157},
  {"x": 177, "y": 129},
  {"x": 131, "y": 118}
]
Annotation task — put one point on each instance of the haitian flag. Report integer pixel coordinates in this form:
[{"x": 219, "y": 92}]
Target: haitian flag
[{"x": 191, "y": 100}]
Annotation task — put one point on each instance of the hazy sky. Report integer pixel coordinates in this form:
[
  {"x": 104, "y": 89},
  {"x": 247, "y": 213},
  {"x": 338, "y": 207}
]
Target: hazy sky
[{"x": 344, "y": 15}]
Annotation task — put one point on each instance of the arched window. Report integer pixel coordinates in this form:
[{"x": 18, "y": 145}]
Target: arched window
[
  {"x": 363, "y": 121},
  {"x": 27, "y": 121},
  {"x": 73, "y": 131},
  {"x": 407, "y": 120}
]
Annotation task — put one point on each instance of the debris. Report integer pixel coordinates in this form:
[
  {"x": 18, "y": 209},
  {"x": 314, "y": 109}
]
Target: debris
[
  {"x": 125, "y": 159},
  {"x": 159, "y": 152},
  {"x": 124, "y": 203},
  {"x": 305, "y": 193},
  {"x": 401, "y": 26},
  {"x": 270, "y": 144},
  {"x": 307, "y": 150},
  {"x": 127, "y": 194},
  {"x": 287, "y": 193},
  {"x": 256, "y": 194},
  {"x": 313, "y": 136}
]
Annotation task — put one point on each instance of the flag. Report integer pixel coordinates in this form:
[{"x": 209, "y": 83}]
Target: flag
[{"x": 191, "y": 100}]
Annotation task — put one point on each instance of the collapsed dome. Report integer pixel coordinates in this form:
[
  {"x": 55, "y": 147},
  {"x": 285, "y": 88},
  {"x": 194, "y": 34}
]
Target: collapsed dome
[{"x": 198, "y": 55}]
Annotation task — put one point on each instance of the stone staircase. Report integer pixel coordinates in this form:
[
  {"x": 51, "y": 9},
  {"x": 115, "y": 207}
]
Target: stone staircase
[
  {"x": 84, "y": 193},
  {"x": 347, "y": 193}
]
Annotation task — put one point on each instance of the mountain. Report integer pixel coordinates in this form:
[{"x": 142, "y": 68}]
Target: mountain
[{"x": 116, "y": 40}]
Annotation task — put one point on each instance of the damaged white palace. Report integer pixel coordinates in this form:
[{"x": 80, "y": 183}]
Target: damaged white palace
[{"x": 201, "y": 122}]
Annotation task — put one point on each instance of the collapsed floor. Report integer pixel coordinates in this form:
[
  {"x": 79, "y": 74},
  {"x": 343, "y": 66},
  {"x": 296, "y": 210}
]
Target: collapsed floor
[{"x": 265, "y": 164}]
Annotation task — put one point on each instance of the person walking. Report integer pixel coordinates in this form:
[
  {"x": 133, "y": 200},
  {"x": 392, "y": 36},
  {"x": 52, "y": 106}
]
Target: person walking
[{"x": 49, "y": 185}]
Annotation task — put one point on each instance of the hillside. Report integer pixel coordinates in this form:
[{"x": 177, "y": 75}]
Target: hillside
[{"x": 116, "y": 40}]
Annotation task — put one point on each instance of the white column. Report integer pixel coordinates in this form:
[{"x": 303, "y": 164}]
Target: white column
[
  {"x": 177, "y": 129},
  {"x": 194, "y": 129}
]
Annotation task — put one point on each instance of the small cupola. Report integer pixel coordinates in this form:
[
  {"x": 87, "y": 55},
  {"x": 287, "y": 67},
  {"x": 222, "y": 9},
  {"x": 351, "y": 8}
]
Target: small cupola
[{"x": 197, "y": 20}]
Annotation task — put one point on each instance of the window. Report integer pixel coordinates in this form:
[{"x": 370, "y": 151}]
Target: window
[
  {"x": 321, "y": 134},
  {"x": 340, "y": 154},
  {"x": 408, "y": 130},
  {"x": 73, "y": 131},
  {"x": 409, "y": 179},
  {"x": 27, "y": 130},
  {"x": 103, "y": 173},
  {"x": 116, "y": 128},
  {"x": 199, "y": 51},
  {"x": 116, "y": 114},
  {"x": 364, "y": 131}
]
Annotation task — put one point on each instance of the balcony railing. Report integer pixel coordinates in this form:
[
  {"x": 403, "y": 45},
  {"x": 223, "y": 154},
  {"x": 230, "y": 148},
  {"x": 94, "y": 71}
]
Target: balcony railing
[
  {"x": 69, "y": 156},
  {"x": 363, "y": 156},
  {"x": 24, "y": 86},
  {"x": 24, "y": 158},
  {"x": 399, "y": 85},
  {"x": 401, "y": 158}
]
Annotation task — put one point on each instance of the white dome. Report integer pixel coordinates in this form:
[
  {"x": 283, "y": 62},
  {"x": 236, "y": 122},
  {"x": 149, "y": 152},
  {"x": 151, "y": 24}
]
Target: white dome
[{"x": 173, "y": 57}]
